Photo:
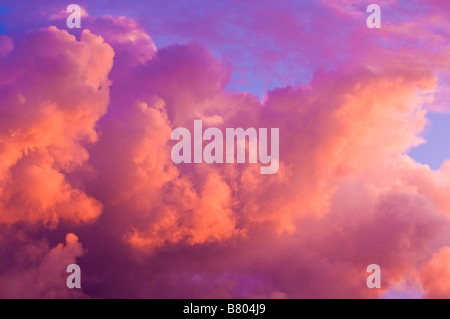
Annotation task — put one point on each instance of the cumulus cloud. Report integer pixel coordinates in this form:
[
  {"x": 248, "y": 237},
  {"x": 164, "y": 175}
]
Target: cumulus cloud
[
  {"x": 50, "y": 102},
  {"x": 435, "y": 274},
  {"x": 85, "y": 137},
  {"x": 40, "y": 272}
]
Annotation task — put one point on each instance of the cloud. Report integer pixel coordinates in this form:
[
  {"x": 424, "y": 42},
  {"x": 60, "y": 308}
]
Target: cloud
[
  {"x": 40, "y": 272},
  {"x": 85, "y": 137},
  {"x": 50, "y": 102},
  {"x": 435, "y": 273}
]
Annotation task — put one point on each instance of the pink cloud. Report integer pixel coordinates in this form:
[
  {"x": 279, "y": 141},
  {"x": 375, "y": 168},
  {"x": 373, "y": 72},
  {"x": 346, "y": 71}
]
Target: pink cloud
[
  {"x": 435, "y": 274},
  {"x": 50, "y": 102},
  {"x": 85, "y": 137},
  {"x": 41, "y": 272}
]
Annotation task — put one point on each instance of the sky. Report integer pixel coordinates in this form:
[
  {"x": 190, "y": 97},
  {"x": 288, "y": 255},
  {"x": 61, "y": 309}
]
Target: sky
[{"x": 87, "y": 178}]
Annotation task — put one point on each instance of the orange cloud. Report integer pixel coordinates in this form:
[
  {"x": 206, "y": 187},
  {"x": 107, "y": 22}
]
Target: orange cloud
[
  {"x": 49, "y": 108},
  {"x": 435, "y": 275}
]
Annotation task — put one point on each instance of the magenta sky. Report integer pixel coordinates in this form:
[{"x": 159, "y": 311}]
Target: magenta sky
[{"x": 86, "y": 175}]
